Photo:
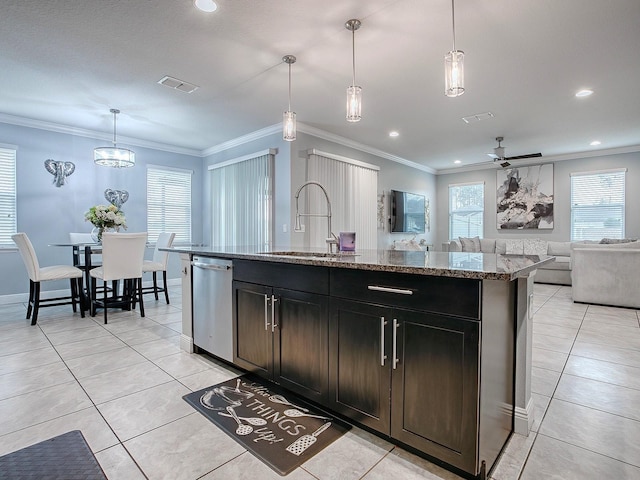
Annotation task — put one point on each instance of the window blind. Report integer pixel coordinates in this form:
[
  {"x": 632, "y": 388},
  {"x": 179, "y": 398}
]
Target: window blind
[
  {"x": 353, "y": 190},
  {"x": 598, "y": 205},
  {"x": 169, "y": 203},
  {"x": 8, "y": 224},
  {"x": 466, "y": 210},
  {"x": 242, "y": 202}
]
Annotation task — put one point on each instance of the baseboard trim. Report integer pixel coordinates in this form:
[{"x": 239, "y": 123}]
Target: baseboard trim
[
  {"x": 186, "y": 343},
  {"x": 24, "y": 297},
  {"x": 523, "y": 419}
]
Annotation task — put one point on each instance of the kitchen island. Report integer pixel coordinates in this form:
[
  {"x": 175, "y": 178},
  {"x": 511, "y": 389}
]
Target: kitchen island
[{"x": 429, "y": 349}]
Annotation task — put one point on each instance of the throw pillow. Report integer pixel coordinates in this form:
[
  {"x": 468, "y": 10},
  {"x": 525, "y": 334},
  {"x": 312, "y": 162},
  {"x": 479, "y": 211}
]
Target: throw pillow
[
  {"x": 488, "y": 245},
  {"x": 611, "y": 241},
  {"x": 470, "y": 244},
  {"x": 514, "y": 247},
  {"x": 535, "y": 246}
]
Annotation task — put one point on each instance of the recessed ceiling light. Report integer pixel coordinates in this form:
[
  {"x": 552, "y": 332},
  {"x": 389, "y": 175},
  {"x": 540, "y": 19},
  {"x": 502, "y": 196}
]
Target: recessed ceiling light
[
  {"x": 393, "y": 133},
  {"x": 457, "y": 161},
  {"x": 206, "y": 5},
  {"x": 584, "y": 93},
  {"x": 595, "y": 143}
]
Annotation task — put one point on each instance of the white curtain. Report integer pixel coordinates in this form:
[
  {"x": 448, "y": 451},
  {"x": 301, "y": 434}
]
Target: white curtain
[
  {"x": 242, "y": 202},
  {"x": 353, "y": 188}
]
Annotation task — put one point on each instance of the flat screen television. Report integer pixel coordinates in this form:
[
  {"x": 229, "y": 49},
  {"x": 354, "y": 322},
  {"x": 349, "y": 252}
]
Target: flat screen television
[{"x": 407, "y": 212}]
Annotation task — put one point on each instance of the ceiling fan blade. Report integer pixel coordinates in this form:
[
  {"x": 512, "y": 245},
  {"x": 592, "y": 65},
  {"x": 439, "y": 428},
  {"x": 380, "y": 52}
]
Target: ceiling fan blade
[
  {"x": 493, "y": 155},
  {"x": 520, "y": 157}
]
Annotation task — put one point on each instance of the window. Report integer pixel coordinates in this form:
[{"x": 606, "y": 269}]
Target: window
[
  {"x": 466, "y": 210},
  {"x": 8, "y": 224},
  {"x": 169, "y": 203},
  {"x": 242, "y": 201},
  {"x": 597, "y": 205}
]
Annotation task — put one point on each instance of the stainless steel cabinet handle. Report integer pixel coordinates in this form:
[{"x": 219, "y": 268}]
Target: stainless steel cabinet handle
[
  {"x": 273, "y": 313},
  {"x": 401, "y": 291},
  {"x": 383, "y": 357},
  {"x": 395, "y": 342},
  {"x": 208, "y": 266},
  {"x": 266, "y": 312}
]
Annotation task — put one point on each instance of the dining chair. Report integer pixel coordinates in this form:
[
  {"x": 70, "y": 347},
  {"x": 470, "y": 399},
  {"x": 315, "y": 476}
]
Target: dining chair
[
  {"x": 159, "y": 264},
  {"x": 44, "y": 274},
  {"x": 122, "y": 257}
]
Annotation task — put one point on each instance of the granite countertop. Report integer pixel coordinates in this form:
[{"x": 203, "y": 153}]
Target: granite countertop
[{"x": 483, "y": 266}]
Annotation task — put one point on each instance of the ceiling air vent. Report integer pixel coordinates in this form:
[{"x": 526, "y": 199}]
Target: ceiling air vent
[
  {"x": 176, "y": 84},
  {"x": 478, "y": 117}
]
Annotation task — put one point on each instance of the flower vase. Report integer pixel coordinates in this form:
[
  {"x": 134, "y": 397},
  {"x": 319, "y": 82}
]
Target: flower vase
[{"x": 96, "y": 233}]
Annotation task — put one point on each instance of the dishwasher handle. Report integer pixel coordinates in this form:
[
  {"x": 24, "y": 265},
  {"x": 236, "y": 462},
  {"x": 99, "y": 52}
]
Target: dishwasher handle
[{"x": 209, "y": 266}]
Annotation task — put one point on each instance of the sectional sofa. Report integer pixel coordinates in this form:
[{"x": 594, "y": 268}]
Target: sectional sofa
[{"x": 605, "y": 272}]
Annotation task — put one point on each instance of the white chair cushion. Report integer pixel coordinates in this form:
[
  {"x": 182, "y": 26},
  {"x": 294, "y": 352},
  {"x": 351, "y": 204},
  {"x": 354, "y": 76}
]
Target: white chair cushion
[
  {"x": 59, "y": 272},
  {"x": 149, "y": 266},
  {"x": 97, "y": 272}
]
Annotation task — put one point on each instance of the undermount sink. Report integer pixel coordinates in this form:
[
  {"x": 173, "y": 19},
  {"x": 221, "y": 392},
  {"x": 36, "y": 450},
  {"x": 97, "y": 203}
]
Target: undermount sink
[{"x": 290, "y": 253}]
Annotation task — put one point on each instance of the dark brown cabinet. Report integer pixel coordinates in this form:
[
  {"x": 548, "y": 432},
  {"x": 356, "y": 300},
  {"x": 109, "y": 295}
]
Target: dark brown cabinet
[
  {"x": 427, "y": 361},
  {"x": 410, "y": 375},
  {"x": 280, "y": 333}
]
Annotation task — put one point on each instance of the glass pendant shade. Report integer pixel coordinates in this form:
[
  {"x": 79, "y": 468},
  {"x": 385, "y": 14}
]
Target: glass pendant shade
[
  {"x": 114, "y": 157},
  {"x": 354, "y": 103},
  {"x": 289, "y": 126},
  {"x": 289, "y": 117},
  {"x": 454, "y": 73}
]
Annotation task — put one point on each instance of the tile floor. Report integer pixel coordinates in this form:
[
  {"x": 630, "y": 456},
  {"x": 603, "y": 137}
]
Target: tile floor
[{"x": 122, "y": 383}]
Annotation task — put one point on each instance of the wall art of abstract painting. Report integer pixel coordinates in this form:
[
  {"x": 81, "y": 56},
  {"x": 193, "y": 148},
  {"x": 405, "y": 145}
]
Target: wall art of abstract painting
[{"x": 525, "y": 197}]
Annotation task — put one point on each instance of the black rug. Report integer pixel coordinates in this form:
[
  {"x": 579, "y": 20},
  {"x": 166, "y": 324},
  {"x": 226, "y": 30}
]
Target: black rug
[
  {"x": 276, "y": 426},
  {"x": 65, "y": 457}
]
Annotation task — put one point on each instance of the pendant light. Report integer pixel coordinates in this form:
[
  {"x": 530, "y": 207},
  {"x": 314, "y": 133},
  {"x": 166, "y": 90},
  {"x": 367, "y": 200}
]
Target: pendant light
[
  {"x": 114, "y": 156},
  {"x": 289, "y": 117},
  {"x": 354, "y": 92},
  {"x": 454, "y": 65}
]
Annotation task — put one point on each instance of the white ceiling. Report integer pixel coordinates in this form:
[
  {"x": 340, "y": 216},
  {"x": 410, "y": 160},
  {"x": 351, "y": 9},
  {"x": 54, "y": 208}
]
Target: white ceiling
[{"x": 68, "y": 62}]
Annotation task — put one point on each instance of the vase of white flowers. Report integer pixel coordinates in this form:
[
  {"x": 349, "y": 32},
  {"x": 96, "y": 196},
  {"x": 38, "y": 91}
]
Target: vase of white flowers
[{"x": 105, "y": 218}]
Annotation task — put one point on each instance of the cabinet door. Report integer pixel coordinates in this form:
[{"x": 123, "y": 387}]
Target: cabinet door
[
  {"x": 435, "y": 386},
  {"x": 359, "y": 375},
  {"x": 301, "y": 343},
  {"x": 252, "y": 337}
]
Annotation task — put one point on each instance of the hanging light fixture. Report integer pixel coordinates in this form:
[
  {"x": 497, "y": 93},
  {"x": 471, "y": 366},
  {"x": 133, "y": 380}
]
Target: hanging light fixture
[
  {"x": 289, "y": 117},
  {"x": 454, "y": 65},
  {"x": 114, "y": 156},
  {"x": 354, "y": 92}
]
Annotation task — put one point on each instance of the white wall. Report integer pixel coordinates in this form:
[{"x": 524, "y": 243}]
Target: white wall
[
  {"x": 561, "y": 188},
  {"x": 47, "y": 213}
]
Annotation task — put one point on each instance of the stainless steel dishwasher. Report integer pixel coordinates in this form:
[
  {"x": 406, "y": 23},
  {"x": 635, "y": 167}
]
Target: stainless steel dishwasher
[{"x": 212, "y": 315}]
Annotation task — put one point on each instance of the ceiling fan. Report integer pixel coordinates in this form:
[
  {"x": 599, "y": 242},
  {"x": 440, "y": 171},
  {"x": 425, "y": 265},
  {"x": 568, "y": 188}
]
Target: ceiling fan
[{"x": 498, "y": 155}]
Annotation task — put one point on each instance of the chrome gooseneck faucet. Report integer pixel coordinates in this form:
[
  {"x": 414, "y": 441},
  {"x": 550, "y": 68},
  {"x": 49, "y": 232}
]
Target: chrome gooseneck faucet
[{"x": 331, "y": 238}]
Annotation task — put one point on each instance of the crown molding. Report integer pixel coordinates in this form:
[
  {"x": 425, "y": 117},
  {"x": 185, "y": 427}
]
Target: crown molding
[
  {"x": 316, "y": 132},
  {"x": 249, "y": 137},
  {"x": 544, "y": 159},
  {"x": 332, "y": 137},
  {"x": 82, "y": 132}
]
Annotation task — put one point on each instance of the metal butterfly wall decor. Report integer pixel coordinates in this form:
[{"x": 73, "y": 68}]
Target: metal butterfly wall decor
[
  {"x": 116, "y": 197},
  {"x": 60, "y": 170}
]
